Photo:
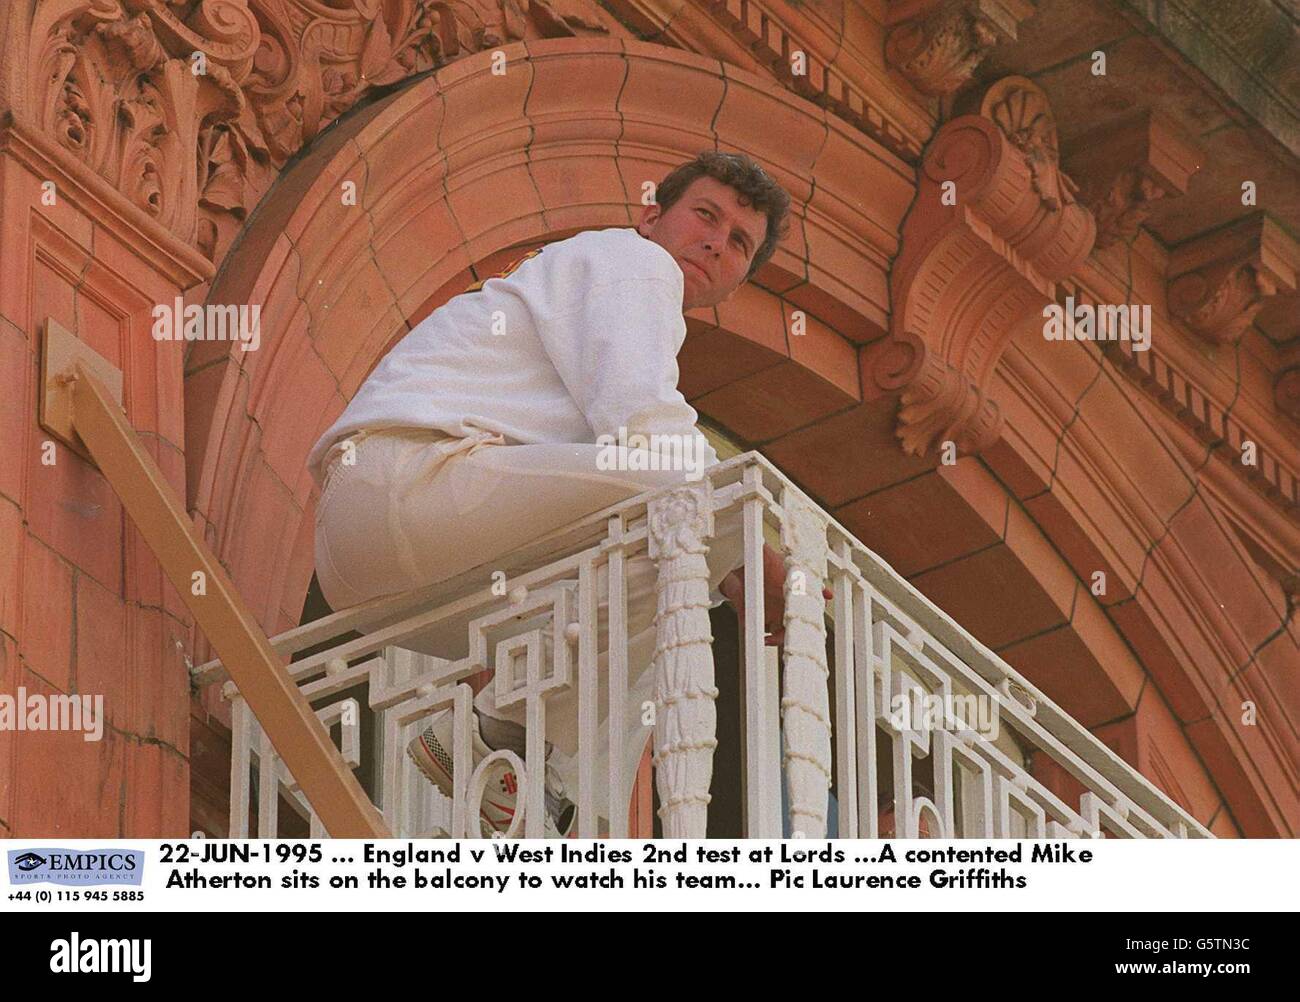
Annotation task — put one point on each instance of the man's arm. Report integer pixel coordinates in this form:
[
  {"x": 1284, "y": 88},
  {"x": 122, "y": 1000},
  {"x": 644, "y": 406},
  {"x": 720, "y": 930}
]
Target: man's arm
[{"x": 616, "y": 352}]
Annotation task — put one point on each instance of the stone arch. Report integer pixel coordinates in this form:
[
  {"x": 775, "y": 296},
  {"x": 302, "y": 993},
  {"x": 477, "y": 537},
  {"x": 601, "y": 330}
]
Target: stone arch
[
  {"x": 456, "y": 173},
  {"x": 476, "y": 168},
  {"x": 1126, "y": 495}
]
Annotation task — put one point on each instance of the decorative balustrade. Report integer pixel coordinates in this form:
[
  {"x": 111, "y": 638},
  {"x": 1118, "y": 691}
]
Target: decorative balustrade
[{"x": 902, "y": 713}]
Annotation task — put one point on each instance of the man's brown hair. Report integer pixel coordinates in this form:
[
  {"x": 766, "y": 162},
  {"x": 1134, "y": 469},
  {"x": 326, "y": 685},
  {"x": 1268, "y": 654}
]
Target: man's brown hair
[{"x": 755, "y": 186}]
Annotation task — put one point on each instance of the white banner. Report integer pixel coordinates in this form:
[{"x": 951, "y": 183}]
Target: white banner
[{"x": 572, "y": 874}]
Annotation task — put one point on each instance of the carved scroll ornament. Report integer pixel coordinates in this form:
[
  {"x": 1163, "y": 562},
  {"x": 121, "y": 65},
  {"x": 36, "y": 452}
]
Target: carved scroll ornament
[{"x": 995, "y": 223}]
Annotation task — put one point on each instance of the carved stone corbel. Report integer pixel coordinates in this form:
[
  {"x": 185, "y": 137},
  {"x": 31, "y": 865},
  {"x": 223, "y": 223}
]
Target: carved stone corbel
[
  {"x": 937, "y": 44},
  {"x": 1124, "y": 167},
  {"x": 1219, "y": 280},
  {"x": 995, "y": 224}
]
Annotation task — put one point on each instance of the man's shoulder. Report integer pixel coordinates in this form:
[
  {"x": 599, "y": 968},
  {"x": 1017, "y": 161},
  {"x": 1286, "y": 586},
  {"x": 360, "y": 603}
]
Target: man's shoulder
[
  {"x": 589, "y": 256},
  {"x": 620, "y": 251},
  {"x": 552, "y": 275}
]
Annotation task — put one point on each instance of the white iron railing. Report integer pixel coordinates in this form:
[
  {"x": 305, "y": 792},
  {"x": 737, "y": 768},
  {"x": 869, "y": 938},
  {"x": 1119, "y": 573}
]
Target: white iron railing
[{"x": 891, "y": 648}]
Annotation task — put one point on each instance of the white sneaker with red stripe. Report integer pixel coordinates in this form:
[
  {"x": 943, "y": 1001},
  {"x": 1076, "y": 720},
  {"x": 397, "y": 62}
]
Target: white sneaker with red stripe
[{"x": 431, "y": 753}]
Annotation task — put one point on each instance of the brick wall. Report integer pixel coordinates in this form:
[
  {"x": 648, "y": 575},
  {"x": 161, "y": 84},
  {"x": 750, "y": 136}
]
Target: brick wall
[{"x": 84, "y": 608}]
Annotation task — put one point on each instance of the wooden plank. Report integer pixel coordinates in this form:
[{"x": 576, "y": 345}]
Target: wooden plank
[{"x": 298, "y": 737}]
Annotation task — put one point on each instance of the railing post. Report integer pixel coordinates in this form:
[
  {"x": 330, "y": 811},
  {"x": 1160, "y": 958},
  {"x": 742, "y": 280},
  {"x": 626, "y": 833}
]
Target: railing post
[
  {"x": 686, "y": 718},
  {"x": 846, "y": 741},
  {"x": 761, "y": 701},
  {"x": 619, "y": 792},
  {"x": 805, "y": 702}
]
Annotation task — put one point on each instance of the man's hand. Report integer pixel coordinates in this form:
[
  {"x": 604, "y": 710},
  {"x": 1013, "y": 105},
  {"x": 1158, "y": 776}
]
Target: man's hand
[{"x": 733, "y": 590}]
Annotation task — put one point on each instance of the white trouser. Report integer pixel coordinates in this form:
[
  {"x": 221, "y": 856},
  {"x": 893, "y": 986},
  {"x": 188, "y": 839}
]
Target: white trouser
[{"x": 417, "y": 507}]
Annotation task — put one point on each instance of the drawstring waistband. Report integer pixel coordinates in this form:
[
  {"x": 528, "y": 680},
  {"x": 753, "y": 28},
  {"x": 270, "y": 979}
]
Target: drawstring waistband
[{"x": 449, "y": 445}]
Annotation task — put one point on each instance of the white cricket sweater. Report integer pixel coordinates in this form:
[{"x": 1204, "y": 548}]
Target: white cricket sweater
[{"x": 579, "y": 339}]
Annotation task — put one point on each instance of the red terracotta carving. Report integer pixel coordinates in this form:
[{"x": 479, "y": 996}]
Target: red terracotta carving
[
  {"x": 830, "y": 78},
  {"x": 1218, "y": 281},
  {"x": 1125, "y": 167},
  {"x": 175, "y": 104},
  {"x": 1211, "y": 423},
  {"x": 969, "y": 272},
  {"x": 113, "y": 85},
  {"x": 558, "y": 18},
  {"x": 937, "y": 44},
  {"x": 942, "y": 403}
]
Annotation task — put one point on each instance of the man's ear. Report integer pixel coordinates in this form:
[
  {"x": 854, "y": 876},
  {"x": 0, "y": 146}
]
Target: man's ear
[{"x": 649, "y": 213}]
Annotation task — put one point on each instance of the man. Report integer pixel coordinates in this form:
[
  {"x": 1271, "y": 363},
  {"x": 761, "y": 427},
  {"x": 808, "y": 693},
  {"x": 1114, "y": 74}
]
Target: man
[{"x": 478, "y": 431}]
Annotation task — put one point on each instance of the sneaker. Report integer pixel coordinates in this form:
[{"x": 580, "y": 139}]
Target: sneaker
[{"x": 431, "y": 753}]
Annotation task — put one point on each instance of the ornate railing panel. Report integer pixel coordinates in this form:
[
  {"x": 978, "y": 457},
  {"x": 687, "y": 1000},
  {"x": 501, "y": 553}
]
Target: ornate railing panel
[{"x": 897, "y": 713}]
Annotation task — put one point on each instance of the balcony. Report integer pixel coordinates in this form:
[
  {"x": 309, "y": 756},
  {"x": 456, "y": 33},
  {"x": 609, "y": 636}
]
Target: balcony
[{"x": 884, "y": 717}]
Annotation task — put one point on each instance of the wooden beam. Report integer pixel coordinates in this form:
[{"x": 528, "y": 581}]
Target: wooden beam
[{"x": 74, "y": 386}]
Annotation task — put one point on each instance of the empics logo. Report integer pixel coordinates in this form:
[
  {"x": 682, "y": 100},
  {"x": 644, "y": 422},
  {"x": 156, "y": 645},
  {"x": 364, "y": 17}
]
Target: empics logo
[
  {"x": 82, "y": 868},
  {"x": 75, "y": 955}
]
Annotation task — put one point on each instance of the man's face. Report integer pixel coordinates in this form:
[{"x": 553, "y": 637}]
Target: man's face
[{"x": 711, "y": 236}]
